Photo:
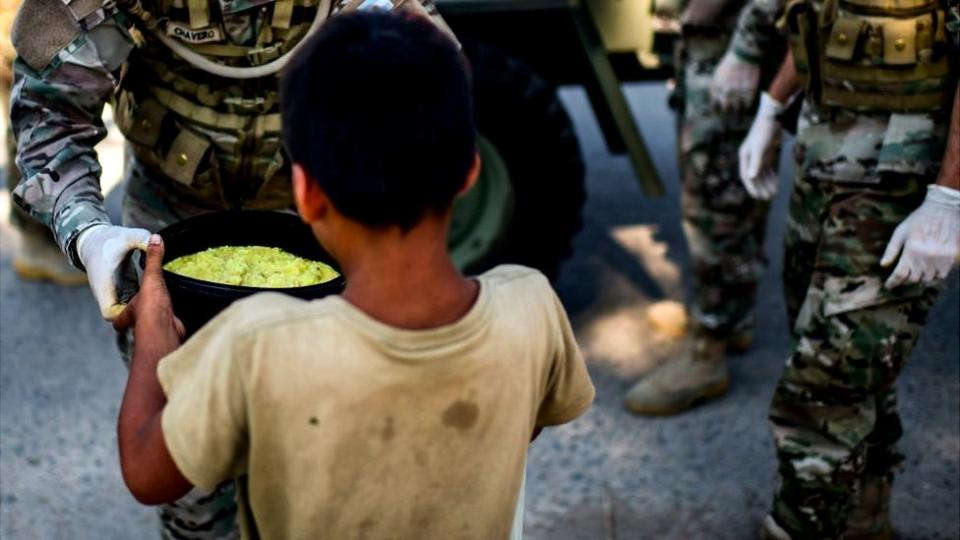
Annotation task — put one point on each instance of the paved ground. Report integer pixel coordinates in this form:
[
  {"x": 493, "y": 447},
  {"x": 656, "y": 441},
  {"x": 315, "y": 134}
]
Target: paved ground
[{"x": 705, "y": 474}]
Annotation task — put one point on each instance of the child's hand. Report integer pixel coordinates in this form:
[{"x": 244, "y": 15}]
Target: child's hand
[{"x": 151, "y": 307}]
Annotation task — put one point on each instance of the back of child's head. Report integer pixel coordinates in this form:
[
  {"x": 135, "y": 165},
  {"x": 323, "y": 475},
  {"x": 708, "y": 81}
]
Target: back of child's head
[{"x": 377, "y": 108}]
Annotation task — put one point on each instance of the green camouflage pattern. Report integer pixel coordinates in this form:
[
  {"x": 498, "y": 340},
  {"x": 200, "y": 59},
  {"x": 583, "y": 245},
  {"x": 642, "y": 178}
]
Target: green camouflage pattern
[
  {"x": 860, "y": 147},
  {"x": 57, "y": 125},
  {"x": 57, "y": 116},
  {"x": 208, "y": 142},
  {"x": 19, "y": 219},
  {"x": 756, "y": 29},
  {"x": 201, "y": 515},
  {"x": 834, "y": 416},
  {"x": 723, "y": 225}
]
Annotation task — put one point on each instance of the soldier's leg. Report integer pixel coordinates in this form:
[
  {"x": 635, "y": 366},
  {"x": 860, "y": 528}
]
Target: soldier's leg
[
  {"x": 870, "y": 508},
  {"x": 723, "y": 225},
  {"x": 805, "y": 216},
  {"x": 833, "y": 416},
  {"x": 199, "y": 515},
  {"x": 724, "y": 228}
]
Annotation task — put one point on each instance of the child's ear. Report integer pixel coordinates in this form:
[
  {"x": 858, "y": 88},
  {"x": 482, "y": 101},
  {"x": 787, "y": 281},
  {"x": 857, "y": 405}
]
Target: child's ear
[
  {"x": 310, "y": 199},
  {"x": 472, "y": 175}
]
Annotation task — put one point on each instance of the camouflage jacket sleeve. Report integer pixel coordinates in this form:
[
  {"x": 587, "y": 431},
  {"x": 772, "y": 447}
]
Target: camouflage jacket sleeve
[
  {"x": 756, "y": 29},
  {"x": 56, "y": 115}
]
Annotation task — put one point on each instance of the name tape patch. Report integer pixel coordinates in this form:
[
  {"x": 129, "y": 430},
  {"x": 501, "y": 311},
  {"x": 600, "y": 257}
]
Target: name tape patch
[{"x": 183, "y": 32}]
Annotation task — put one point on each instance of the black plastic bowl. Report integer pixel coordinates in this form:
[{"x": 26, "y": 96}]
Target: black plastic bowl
[{"x": 195, "y": 301}]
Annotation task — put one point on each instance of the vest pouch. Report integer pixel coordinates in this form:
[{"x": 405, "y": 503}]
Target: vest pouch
[
  {"x": 191, "y": 164},
  {"x": 900, "y": 42},
  {"x": 185, "y": 156},
  {"x": 844, "y": 38},
  {"x": 880, "y": 58},
  {"x": 141, "y": 122}
]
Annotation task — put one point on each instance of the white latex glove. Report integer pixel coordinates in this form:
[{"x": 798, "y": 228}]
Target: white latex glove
[
  {"x": 103, "y": 249},
  {"x": 759, "y": 150},
  {"x": 734, "y": 83},
  {"x": 929, "y": 238}
]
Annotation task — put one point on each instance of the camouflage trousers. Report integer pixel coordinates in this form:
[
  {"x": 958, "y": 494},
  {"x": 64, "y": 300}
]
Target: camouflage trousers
[
  {"x": 199, "y": 515},
  {"x": 834, "y": 413},
  {"x": 723, "y": 225}
]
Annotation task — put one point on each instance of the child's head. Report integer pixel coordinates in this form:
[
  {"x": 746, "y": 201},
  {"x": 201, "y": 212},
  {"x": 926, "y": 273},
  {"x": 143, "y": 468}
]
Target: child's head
[{"x": 377, "y": 112}]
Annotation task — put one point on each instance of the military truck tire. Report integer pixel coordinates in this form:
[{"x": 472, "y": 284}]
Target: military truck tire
[{"x": 526, "y": 136}]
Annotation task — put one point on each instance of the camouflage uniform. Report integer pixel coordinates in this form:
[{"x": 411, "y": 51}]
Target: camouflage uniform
[
  {"x": 196, "y": 142},
  {"x": 834, "y": 415},
  {"x": 723, "y": 225},
  {"x": 11, "y": 175}
]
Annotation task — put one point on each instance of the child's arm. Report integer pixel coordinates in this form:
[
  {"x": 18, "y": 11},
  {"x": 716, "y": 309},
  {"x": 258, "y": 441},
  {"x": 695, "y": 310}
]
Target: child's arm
[
  {"x": 569, "y": 391},
  {"x": 148, "y": 469}
]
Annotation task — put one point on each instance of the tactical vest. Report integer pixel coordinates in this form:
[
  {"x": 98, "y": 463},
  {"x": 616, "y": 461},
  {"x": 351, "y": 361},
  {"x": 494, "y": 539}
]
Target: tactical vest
[
  {"x": 873, "y": 55},
  {"x": 215, "y": 140}
]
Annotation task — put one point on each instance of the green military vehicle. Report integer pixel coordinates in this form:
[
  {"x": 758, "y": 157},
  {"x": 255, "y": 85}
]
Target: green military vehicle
[{"x": 527, "y": 205}]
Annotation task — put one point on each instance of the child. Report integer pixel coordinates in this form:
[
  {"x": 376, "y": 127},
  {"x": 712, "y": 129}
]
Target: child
[{"x": 402, "y": 408}]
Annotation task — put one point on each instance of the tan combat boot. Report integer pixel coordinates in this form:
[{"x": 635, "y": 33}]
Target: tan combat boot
[
  {"x": 39, "y": 259},
  {"x": 699, "y": 374},
  {"x": 669, "y": 318},
  {"x": 869, "y": 518}
]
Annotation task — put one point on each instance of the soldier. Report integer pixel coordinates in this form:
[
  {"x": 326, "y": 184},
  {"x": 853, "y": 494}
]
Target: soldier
[
  {"x": 194, "y": 86},
  {"x": 38, "y": 257},
  {"x": 724, "y": 226},
  {"x": 878, "y": 173}
]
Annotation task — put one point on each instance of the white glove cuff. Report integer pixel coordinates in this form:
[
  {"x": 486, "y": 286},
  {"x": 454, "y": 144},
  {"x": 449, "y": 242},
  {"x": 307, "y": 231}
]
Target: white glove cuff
[
  {"x": 943, "y": 196},
  {"x": 769, "y": 107},
  {"x": 83, "y": 236}
]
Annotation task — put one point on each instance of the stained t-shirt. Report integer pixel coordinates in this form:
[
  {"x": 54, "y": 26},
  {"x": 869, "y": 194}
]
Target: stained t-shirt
[{"x": 346, "y": 427}]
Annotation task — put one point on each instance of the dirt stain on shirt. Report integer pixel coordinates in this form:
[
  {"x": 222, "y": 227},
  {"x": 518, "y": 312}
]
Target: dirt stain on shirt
[
  {"x": 461, "y": 415},
  {"x": 387, "y": 433}
]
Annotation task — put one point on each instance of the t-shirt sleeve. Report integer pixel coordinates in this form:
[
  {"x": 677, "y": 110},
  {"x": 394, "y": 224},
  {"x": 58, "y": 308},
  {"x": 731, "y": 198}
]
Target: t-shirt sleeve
[
  {"x": 569, "y": 391},
  {"x": 204, "y": 420}
]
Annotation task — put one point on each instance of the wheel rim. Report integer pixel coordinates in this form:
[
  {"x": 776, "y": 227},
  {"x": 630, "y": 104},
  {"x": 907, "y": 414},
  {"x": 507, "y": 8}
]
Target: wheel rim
[{"x": 482, "y": 216}]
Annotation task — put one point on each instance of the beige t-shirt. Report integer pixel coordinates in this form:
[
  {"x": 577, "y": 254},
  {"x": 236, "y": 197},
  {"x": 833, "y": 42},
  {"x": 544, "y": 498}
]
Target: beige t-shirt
[{"x": 349, "y": 428}]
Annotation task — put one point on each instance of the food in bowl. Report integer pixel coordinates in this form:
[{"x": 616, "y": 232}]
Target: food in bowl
[{"x": 252, "y": 266}]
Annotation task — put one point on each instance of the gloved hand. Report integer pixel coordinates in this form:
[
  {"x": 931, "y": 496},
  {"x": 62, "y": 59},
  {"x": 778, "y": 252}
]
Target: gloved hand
[
  {"x": 759, "y": 150},
  {"x": 734, "y": 83},
  {"x": 929, "y": 238},
  {"x": 104, "y": 250}
]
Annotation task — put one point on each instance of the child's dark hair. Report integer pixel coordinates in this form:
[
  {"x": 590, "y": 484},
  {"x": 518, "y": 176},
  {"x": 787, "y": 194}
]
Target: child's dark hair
[{"x": 377, "y": 108}]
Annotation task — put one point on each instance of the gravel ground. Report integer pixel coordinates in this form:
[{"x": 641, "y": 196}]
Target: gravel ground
[{"x": 705, "y": 474}]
